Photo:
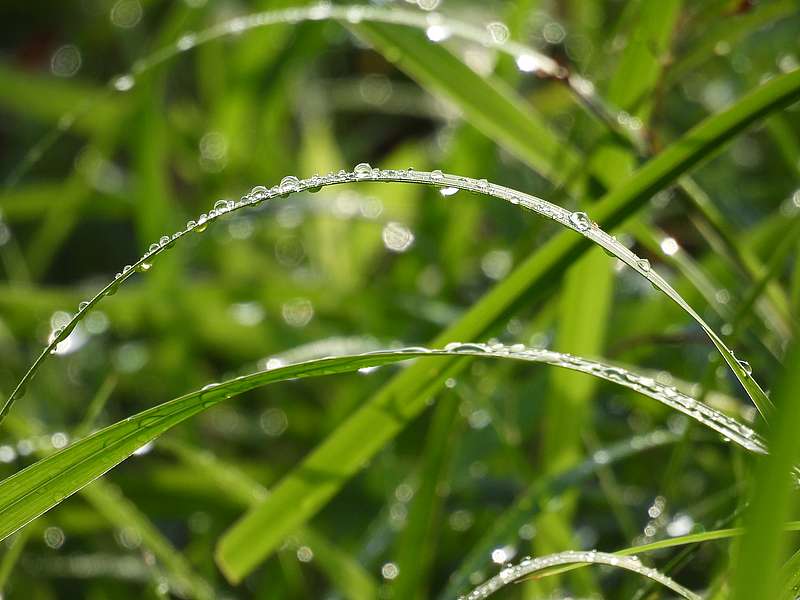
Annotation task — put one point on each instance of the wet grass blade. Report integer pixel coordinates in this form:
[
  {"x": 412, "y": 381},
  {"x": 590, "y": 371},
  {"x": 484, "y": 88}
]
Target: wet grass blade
[
  {"x": 505, "y": 528},
  {"x": 346, "y": 447},
  {"x": 530, "y": 566},
  {"x": 37, "y": 488}
]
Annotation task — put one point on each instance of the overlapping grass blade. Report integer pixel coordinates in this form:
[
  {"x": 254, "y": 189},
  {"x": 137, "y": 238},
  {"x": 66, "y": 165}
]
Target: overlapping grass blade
[
  {"x": 756, "y": 568},
  {"x": 530, "y": 566},
  {"x": 542, "y": 267},
  {"x": 34, "y": 490},
  {"x": 529, "y": 503},
  {"x": 348, "y": 576}
]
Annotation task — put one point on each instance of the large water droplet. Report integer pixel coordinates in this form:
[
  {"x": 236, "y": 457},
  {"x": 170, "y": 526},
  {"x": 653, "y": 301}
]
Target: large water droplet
[
  {"x": 222, "y": 206},
  {"x": 83, "y": 305},
  {"x": 437, "y": 175},
  {"x": 745, "y": 366},
  {"x": 362, "y": 170},
  {"x": 580, "y": 220},
  {"x": 448, "y": 191},
  {"x": 644, "y": 264},
  {"x": 258, "y": 193},
  {"x": 289, "y": 184}
]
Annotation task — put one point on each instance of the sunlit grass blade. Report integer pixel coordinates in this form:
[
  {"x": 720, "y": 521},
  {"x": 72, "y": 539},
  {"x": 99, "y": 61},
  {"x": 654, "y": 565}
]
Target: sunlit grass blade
[
  {"x": 533, "y": 565},
  {"x": 35, "y": 489},
  {"x": 541, "y": 268}
]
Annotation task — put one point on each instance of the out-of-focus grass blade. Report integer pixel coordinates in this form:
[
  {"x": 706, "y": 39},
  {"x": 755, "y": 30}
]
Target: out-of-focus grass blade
[
  {"x": 505, "y": 527},
  {"x": 107, "y": 500},
  {"x": 416, "y": 547},
  {"x": 11, "y": 556},
  {"x": 359, "y": 437},
  {"x": 581, "y": 327},
  {"x": 755, "y": 569},
  {"x": 345, "y": 572},
  {"x": 487, "y": 103},
  {"x": 49, "y": 99},
  {"x": 727, "y": 29}
]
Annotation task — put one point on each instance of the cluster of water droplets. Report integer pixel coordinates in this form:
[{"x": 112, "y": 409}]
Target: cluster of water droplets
[
  {"x": 530, "y": 565},
  {"x": 729, "y": 428},
  {"x": 577, "y": 221}
]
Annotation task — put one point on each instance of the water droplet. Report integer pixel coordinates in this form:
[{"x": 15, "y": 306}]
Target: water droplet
[
  {"x": 483, "y": 184},
  {"x": 258, "y": 193},
  {"x": 315, "y": 184},
  {"x": 580, "y": 220},
  {"x": 745, "y": 366},
  {"x": 163, "y": 240},
  {"x": 362, "y": 170},
  {"x": 186, "y": 42},
  {"x": 83, "y": 305},
  {"x": 222, "y": 206},
  {"x": 125, "y": 269},
  {"x": 644, "y": 264},
  {"x": 289, "y": 184},
  {"x": 145, "y": 266},
  {"x": 124, "y": 82},
  {"x": 153, "y": 247},
  {"x": 437, "y": 33},
  {"x": 437, "y": 175},
  {"x": 448, "y": 191},
  {"x": 202, "y": 224}
]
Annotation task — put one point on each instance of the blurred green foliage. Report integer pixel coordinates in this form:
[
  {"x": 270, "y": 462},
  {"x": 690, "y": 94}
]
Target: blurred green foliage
[{"x": 93, "y": 176}]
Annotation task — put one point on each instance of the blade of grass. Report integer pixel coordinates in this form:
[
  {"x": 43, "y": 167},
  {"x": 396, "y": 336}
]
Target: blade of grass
[
  {"x": 346, "y": 573},
  {"x": 487, "y": 103},
  {"x": 37, "y": 488},
  {"x": 530, "y": 502},
  {"x": 12, "y": 554},
  {"x": 755, "y": 568},
  {"x": 416, "y": 547},
  {"x": 534, "y": 565},
  {"x": 108, "y": 501},
  {"x": 543, "y": 267}
]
